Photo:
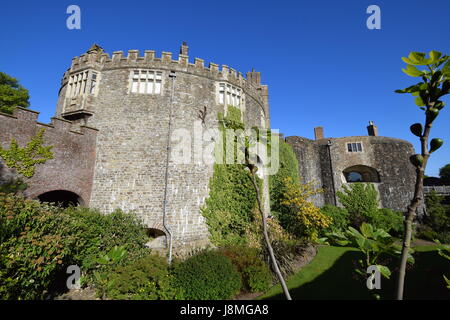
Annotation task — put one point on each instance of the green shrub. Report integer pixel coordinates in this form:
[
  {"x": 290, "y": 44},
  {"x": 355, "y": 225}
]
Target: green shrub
[
  {"x": 288, "y": 169},
  {"x": 208, "y": 275},
  {"x": 98, "y": 233},
  {"x": 36, "y": 245},
  {"x": 286, "y": 253},
  {"x": 12, "y": 185},
  {"x": 389, "y": 220},
  {"x": 436, "y": 225},
  {"x": 255, "y": 273},
  {"x": 145, "y": 278},
  {"x": 361, "y": 202},
  {"x": 340, "y": 218},
  {"x": 39, "y": 241}
]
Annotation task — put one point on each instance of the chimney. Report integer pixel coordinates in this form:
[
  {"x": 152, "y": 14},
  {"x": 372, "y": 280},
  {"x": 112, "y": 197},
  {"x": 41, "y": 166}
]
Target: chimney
[
  {"x": 184, "y": 49},
  {"x": 372, "y": 129},
  {"x": 318, "y": 133}
]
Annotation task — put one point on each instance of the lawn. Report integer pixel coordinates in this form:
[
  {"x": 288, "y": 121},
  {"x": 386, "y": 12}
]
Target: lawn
[{"x": 330, "y": 276}]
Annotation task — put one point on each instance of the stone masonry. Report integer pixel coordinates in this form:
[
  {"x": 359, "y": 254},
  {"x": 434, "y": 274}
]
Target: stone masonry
[
  {"x": 120, "y": 119},
  {"x": 127, "y": 161},
  {"x": 382, "y": 161}
]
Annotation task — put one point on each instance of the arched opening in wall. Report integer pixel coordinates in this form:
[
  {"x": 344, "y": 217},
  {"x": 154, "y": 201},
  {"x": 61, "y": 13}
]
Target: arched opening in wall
[
  {"x": 63, "y": 198},
  {"x": 361, "y": 173},
  {"x": 157, "y": 238}
]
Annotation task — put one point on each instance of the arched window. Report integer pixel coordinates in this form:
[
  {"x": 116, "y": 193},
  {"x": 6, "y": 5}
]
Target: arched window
[
  {"x": 361, "y": 173},
  {"x": 63, "y": 198}
]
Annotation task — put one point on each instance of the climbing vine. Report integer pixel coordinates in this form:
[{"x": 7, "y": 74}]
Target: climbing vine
[
  {"x": 24, "y": 160},
  {"x": 288, "y": 169},
  {"x": 232, "y": 198}
]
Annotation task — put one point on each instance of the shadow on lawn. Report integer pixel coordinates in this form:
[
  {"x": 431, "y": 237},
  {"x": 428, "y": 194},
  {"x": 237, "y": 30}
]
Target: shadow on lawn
[{"x": 423, "y": 281}]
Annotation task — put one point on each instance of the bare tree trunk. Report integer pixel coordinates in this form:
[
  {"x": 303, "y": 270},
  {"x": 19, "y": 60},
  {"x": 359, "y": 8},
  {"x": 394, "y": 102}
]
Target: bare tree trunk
[
  {"x": 412, "y": 208},
  {"x": 266, "y": 238}
]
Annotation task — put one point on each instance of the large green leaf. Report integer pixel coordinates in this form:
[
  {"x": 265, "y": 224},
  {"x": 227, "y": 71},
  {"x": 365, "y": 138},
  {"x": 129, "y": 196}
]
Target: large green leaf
[
  {"x": 385, "y": 272},
  {"x": 412, "y": 71},
  {"x": 435, "y": 56},
  {"x": 366, "y": 230},
  {"x": 419, "y": 102},
  {"x": 417, "y": 59},
  {"x": 413, "y": 89},
  {"x": 380, "y": 234}
]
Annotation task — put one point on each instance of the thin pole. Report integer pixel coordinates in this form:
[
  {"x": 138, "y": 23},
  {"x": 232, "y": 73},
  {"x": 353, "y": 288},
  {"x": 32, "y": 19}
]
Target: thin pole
[{"x": 166, "y": 174}]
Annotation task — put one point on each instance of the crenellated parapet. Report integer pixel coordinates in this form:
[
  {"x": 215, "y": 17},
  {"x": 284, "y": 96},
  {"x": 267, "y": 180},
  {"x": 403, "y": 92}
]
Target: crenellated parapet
[
  {"x": 71, "y": 167},
  {"x": 99, "y": 60},
  {"x": 26, "y": 119}
]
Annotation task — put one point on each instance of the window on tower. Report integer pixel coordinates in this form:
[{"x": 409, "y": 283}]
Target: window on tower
[
  {"x": 146, "y": 81},
  {"x": 82, "y": 83},
  {"x": 229, "y": 95}
]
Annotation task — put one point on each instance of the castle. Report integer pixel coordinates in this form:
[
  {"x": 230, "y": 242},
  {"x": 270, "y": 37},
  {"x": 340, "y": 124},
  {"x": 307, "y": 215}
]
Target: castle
[{"x": 112, "y": 136}]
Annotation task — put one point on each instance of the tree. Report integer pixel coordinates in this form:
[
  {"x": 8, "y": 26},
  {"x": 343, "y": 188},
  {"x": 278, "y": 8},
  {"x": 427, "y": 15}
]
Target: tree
[
  {"x": 372, "y": 243},
  {"x": 233, "y": 122},
  {"x": 434, "y": 85},
  {"x": 12, "y": 94},
  {"x": 444, "y": 174}
]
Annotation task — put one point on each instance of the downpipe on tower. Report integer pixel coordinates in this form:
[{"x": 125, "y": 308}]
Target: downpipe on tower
[{"x": 166, "y": 175}]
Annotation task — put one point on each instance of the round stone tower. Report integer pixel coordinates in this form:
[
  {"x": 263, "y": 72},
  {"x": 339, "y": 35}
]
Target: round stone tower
[{"x": 143, "y": 107}]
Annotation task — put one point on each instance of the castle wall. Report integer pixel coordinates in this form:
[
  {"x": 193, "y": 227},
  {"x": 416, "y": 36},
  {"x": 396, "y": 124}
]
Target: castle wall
[
  {"x": 308, "y": 157},
  {"x": 388, "y": 156},
  {"x": 133, "y": 136},
  {"x": 392, "y": 161},
  {"x": 71, "y": 168}
]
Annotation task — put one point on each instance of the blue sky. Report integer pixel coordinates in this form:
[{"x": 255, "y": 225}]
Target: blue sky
[{"x": 323, "y": 66}]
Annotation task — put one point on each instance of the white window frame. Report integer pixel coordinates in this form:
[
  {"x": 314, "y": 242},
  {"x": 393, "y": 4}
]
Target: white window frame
[
  {"x": 353, "y": 145},
  {"x": 146, "y": 81},
  {"x": 230, "y": 95},
  {"x": 83, "y": 83}
]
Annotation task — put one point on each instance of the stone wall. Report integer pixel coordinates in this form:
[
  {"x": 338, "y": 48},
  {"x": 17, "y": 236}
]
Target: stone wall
[
  {"x": 133, "y": 135},
  {"x": 307, "y": 152},
  {"x": 71, "y": 169},
  {"x": 389, "y": 157}
]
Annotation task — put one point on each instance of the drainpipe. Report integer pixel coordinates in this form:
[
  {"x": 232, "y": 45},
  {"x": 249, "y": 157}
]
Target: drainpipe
[
  {"x": 166, "y": 174},
  {"x": 332, "y": 173}
]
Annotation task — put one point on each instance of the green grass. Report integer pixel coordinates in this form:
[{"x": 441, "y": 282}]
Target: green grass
[{"x": 330, "y": 276}]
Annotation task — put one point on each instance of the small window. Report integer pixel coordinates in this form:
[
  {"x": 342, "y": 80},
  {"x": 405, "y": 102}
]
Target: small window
[
  {"x": 146, "y": 82},
  {"x": 354, "y": 147}
]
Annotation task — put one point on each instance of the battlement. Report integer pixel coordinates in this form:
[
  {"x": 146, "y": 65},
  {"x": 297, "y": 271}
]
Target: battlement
[
  {"x": 99, "y": 60},
  {"x": 25, "y": 118}
]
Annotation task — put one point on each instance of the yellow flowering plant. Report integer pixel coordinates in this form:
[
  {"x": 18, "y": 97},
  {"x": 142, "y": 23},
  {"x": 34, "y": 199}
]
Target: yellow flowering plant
[{"x": 305, "y": 219}]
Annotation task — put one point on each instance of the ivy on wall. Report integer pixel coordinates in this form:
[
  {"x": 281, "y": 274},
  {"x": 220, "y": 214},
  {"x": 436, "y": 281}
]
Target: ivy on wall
[
  {"x": 230, "y": 208},
  {"x": 25, "y": 159},
  {"x": 288, "y": 169},
  {"x": 232, "y": 198}
]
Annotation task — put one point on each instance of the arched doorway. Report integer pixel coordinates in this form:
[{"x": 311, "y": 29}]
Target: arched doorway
[
  {"x": 361, "y": 173},
  {"x": 157, "y": 238},
  {"x": 63, "y": 198}
]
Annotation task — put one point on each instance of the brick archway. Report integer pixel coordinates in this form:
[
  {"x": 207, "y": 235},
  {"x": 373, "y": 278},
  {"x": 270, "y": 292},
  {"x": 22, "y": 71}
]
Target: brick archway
[{"x": 64, "y": 198}]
